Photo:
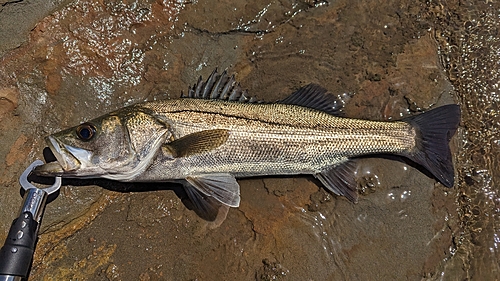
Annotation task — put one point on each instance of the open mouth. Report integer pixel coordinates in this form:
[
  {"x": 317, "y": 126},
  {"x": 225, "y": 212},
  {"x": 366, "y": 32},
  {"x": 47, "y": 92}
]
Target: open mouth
[{"x": 61, "y": 158}]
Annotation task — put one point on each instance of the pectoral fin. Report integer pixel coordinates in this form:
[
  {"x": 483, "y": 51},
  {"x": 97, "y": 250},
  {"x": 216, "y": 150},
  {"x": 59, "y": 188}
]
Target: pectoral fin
[
  {"x": 222, "y": 187},
  {"x": 341, "y": 180},
  {"x": 196, "y": 143},
  {"x": 206, "y": 207}
]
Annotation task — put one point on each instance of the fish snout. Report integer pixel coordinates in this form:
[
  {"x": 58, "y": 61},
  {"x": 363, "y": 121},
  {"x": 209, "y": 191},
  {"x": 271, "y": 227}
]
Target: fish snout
[{"x": 66, "y": 161}]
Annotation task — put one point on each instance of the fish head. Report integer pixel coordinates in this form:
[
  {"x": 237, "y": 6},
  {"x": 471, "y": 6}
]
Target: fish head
[{"x": 118, "y": 146}]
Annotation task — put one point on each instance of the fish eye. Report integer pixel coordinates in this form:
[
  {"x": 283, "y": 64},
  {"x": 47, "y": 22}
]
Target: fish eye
[{"x": 85, "y": 131}]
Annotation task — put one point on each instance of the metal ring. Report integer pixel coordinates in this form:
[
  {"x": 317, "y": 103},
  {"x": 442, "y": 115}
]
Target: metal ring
[{"x": 23, "y": 180}]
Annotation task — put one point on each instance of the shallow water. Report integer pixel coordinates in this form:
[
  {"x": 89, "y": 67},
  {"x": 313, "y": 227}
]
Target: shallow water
[
  {"x": 397, "y": 57},
  {"x": 470, "y": 49}
]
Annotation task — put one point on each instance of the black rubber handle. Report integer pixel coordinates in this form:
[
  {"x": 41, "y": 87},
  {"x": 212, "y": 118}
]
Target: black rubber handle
[{"x": 16, "y": 254}]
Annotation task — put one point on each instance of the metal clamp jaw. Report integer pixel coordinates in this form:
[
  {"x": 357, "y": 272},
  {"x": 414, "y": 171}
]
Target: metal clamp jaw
[
  {"x": 16, "y": 255},
  {"x": 34, "y": 197}
]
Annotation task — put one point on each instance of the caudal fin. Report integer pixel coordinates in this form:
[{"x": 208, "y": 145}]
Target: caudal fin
[{"x": 434, "y": 131}]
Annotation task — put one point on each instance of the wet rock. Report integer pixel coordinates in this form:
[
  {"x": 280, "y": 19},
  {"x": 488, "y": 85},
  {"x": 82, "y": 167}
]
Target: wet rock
[
  {"x": 420, "y": 95},
  {"x": 271, "y": 271},
  {"x": 88, "y": 266},
  {"x": 259, "y": 17},
  {"x": 268, "y": 212},
  {"x": 17, "y": 19},
  {"x": 112, "y": 273},
  {"x": 267, "y": 215},
  {"x": 149, "y": 209},
  {"x": 8, "y": 101},
  {"x": 17, "y": 152},
  {"x": 469, "y": 59},
  {"x": 318, "y": 199},
  {"x": 91, "y": 57},
  {"x": 279, "y": 187}
]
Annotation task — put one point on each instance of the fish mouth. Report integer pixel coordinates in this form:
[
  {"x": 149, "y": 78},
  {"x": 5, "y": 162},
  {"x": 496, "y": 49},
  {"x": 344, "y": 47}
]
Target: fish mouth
[{"x": 69, "y": 159}]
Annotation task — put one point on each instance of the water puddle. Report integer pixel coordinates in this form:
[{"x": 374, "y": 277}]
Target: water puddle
[{"x": 470, "y": 48}]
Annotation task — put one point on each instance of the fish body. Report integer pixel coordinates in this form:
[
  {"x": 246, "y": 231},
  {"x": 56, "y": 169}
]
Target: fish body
[
  {"x": 269, "y": 139},
  {"x": 216, "y": 134}
]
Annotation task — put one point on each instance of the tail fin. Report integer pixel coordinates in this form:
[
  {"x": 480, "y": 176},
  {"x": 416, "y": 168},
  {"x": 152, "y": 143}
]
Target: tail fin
[{"x": 434, "y": 131}]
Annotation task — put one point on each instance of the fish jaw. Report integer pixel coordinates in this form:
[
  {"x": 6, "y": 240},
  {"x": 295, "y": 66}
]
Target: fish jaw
[{"x": 70, "y": 159}]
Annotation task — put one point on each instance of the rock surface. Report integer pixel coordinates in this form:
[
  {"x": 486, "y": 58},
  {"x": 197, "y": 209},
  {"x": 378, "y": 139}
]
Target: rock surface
[{"x": 72, "y": 61}]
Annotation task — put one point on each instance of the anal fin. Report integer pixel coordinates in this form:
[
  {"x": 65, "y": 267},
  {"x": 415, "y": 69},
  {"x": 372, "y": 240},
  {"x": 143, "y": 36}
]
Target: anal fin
[{"x": 341, "y": 180}]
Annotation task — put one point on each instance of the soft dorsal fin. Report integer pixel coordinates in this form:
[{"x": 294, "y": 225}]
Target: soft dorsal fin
[
  {"x": 219, "y": 87},
  {"x": 196, "y": 143},
  {"x": 316, "y": 97}
]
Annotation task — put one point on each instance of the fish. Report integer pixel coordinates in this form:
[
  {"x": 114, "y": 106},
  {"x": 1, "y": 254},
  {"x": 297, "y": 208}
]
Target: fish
[{"x": 215, "y": 134}]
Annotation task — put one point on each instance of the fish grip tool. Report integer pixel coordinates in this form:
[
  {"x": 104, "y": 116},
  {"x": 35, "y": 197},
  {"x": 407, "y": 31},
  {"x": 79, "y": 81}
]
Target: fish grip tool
[{"x": 16, "y": 255}]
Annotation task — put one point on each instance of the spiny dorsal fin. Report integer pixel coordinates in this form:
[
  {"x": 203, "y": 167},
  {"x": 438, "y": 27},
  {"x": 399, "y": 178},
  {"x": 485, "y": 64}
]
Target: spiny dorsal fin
[
  {"x": 219, "y": 87},
  {"x": 196, "y": 143},
  {"x": 316, "y": 97}
]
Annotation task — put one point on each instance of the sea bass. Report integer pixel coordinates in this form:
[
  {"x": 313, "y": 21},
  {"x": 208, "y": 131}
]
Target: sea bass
[{"x": 216, "y": 134}]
